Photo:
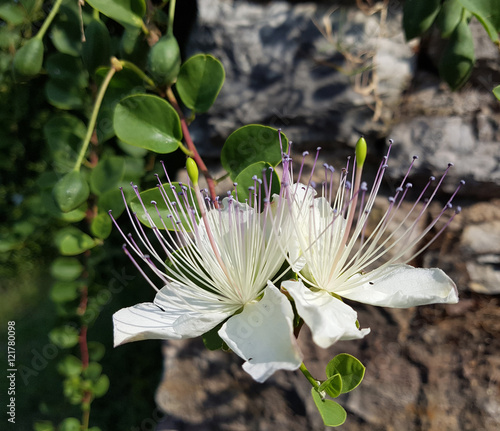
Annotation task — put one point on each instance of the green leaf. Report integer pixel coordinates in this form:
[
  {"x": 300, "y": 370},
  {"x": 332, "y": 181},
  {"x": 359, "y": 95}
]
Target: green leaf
[
  {"x": 122, "y": 84},
  {"x": 66, "y": 268},
  {"x": 101, "y": 386},
  {"x": 64, "y": 291},
  {"x": 43, "y": 426},
  {"x": 111, "y": 201},
  {"x": 107, "y": 174},
  {"x": 67, "y": 87},
  {"x": 28, "y": 59},
  {"x": 63, "y": 67},
  {"x": 72, "y": 388},
  {"x": 496, "y": 92},
  {"x": 126, "y": 12},
  {"x": 64, "y": 135},
  {"x": 148, "y": 122},
  {"x": 71, "y": 241},
  {"x": 70, "y": 366},
  {"x": 154, "y": 195},
  {"x": 96, "y": 50},
  {"x": 449, "y": 16},
  {"x": 69, "y": 424},
  {"x": 64, "y": 336},
  {"x": 212, "y": 340},
  {"x": 350, "y": 368},
  {"x": 48, "y": 205},
  {"x": 332, "y": 413},
  {"x": 251, "y": 144},
  {"x": 101, "y": 226},
  {"x": 245, "y": 180},
  {"x": 93, "y": 371},
  {"x": 12, "y": 13},
  {"x": 164, "y": 60},
  {"x": 96, "y": 350},
  {"x": 458, "y": 58},
  {"x": 418, "y": 16},
  {"x": 71, "y": 191},
  {"x": 134, "y": 47},
  {"x": 200, "y": 80},
  {"x": 488, "y": 14},
  {"x": 332, "y": 386},
  {"x": 65, "y": 32}
]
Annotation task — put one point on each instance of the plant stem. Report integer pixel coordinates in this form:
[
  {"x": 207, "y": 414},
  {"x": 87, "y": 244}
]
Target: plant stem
[
  {"x": 131, "y": 66},
  {"x": 201, "y": 165},
  {"x": 308, "y": 375},
  {"x": 115, "y": 67},
  {"x": 49, "y": 20},
  {"x": 171, "y": 13}
]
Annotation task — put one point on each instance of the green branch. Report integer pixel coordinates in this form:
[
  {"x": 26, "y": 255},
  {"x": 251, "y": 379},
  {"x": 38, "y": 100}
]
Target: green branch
[
  {"x": 49, "y": 20},
  {"x": 115, "y": 67}
]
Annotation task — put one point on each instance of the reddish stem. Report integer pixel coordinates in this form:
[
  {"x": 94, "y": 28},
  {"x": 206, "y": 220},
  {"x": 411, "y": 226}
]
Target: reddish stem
[
  {"x": 82, "y": 339},
  {"x": 190, "y": 144}
]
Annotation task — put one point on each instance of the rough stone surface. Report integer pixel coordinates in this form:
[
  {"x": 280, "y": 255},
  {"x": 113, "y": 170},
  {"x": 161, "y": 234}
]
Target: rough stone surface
[{"x": 282, "y": 71}]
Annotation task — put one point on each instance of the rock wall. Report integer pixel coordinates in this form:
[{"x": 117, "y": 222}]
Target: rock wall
[{"x": 327, "y": 72}]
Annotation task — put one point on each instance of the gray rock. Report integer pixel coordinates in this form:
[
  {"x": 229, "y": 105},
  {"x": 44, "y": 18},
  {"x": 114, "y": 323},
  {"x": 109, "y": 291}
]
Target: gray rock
[{"x": 281, "y": 71}]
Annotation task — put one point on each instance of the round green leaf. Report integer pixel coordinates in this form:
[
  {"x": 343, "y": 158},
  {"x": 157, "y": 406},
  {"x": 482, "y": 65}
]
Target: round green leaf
[
  {"x": 122, "y": 84},
  {"x": 200, "y": 79},
  {"x": 66, "y": 268},
  {"x": 72, "y": 388},
  {"x": 101, "y": 226},
  {"x": 93, "y": 371},
  {"x": 245, "y": 180},
  {"x": 69, "y": 424},
  {"x": 63, "y": 94},
  {"x": 418, "y": 16},
  {"x": 96, "y": 350},
  {"x": 64, "y": 291},
  {"x": 111, "y": 201},
  {"x": 70, "y": 366},
  {"x": 71, "y": 241},
  {"x": 164, "y": 60},
  {"x": 43, "y": 426},
  {"x": 64, "y": 134},
  {"x": 449, "y": 16},
  {"x": 13, "y": 13},
  {"x": 28, "y": 60},
  {"x": 332, "y": 413},
  {"x": 49, "y": 206},
  {"x": 65, "y": 32},
  {"x": 496, "y": 92},
  {"x": 134, "y": 47},
  {"x": 64, "y": 336},
  {"x": 149, "y": 122},
  {"x": 458, "y": 58},
  {"x": 71, "y": 191},
  {"x": 101, "y": 386},
  {"x": 96, "y": 50},
  {"x": 68, "y": 69},
  {"x": 107, "y": 174},
  {"x": 251, "y": 144},
  {"x": 126, "y": 12},
  {"x": 350, "y": 368},
  {"x": 154, "y": 194},
  {"x": 332, "y": 386}
]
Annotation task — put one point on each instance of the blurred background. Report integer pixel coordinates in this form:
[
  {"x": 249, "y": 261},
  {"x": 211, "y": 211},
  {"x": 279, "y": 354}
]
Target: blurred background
[{"x": 324, "y": 72}]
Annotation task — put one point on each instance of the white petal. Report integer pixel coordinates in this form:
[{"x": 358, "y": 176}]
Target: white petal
[
  {"x": 175, "y": 314},
  {"x": 402, "y": 286},
  {"x": 262, "y": 334},
  {"x": 142, "y": 322},
  {"x": 192, "y": 313},
  {"x": 328, "y": 318}
]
